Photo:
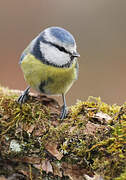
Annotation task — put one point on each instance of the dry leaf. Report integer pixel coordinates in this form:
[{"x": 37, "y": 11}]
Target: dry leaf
[
  {"x": 52, "y": 148},
  {"x": 101, "y": 117},
  {"x": 46, "y": 166},
  {"x": 56, "y": 169},
  {"x": 74, "y": 172},
  {"x": 92, "y": 128},
  {"x": 29, "y": 129}
]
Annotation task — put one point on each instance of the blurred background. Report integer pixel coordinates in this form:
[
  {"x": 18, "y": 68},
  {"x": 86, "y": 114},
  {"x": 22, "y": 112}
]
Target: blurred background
[{"x": 99, "y": 28}]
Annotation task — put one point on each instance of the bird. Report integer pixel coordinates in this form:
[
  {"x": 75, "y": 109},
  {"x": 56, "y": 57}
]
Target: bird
[{"x": 50, "y": 65}]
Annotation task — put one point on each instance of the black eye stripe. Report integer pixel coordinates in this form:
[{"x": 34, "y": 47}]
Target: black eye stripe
[{"x": 61, "y": 48}]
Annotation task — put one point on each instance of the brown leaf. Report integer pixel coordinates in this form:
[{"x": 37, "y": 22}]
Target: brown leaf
[
  {"x": 90, "y": 128},
  {"x": 56, "y": 169},
  {"x": 74, "y": 172},
  {"x": 46, "y": 166},
  {"x": 52, "y": 148},
  {"x": 29, "y": 129}
]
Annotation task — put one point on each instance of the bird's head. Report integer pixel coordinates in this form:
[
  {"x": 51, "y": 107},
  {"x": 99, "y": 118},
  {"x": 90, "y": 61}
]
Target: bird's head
[{"x": 57, "y": 46}]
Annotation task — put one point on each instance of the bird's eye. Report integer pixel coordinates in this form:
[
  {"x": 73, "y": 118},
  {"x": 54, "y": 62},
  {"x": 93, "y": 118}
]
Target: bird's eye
[{"x": 62, "y": 49}]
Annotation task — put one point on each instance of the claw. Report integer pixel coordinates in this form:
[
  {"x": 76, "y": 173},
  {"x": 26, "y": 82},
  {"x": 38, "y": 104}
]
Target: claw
[
  {"x": 64, "y": 112},
  {"x": 22, "y": 99}
]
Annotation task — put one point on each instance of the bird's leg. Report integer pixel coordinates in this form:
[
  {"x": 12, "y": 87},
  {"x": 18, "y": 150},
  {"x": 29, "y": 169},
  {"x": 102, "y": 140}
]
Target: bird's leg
[
  {"x": 24, "y": 96},
  {"x": 64, "y": 110}
]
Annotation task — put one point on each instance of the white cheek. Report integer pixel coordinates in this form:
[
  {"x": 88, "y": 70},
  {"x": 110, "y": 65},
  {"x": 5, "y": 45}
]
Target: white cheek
[{"x": 54, "y": 55}]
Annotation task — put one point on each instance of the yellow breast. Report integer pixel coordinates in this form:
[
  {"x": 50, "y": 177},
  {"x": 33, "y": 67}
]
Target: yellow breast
[{"x": 46, "y": 78}]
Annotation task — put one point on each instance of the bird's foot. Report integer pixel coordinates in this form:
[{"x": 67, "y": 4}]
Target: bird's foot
[
  {"x": 64, "y": 112},
  {"x": 22, "y": 99}
]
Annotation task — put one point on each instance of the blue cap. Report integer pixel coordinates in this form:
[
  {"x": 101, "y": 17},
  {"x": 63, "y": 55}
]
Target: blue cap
[{"x": 62, "y": 35}]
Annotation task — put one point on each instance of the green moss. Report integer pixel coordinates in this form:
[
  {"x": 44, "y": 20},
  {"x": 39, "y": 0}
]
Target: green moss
[
  {"x": 81, "y": 138},
  {"x": 106, "y": 150}
]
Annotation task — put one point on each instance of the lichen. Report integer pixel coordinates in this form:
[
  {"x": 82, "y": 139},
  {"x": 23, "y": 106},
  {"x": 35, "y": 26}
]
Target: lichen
[{"x": 15, "y": 146}]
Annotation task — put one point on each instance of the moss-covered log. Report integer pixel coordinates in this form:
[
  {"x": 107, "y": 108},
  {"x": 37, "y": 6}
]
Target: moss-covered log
[{"x": 35, "y": 144}]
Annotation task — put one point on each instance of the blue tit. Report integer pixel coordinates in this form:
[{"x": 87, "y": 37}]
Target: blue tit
[{"x": 49, "y": 64}]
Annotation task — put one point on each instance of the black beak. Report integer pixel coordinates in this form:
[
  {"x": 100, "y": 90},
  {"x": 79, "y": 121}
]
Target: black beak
[{"x": 75, "y": 54}]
